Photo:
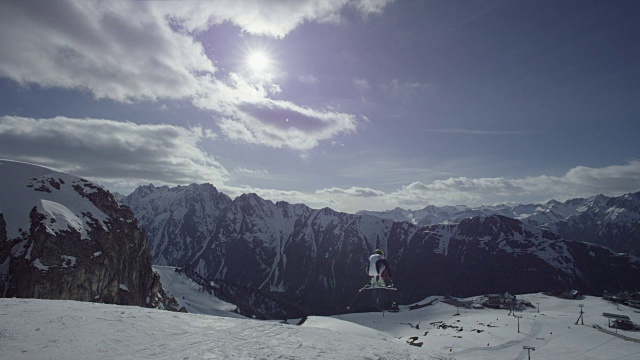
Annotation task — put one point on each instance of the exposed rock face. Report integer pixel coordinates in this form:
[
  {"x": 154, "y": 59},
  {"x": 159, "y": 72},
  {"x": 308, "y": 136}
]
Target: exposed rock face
[
  {"x": 317, "y": 258},
  {"x": 61, "y": 237},
  {"x": 496, "y": 253}
]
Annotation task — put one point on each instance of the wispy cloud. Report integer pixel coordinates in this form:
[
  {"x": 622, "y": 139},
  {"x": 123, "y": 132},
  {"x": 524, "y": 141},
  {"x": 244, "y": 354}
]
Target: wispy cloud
[
  {"x": 479, "y": 132},
  {"x": 405, "y": 89},
  {"x": 308, "y": 79},
  {"x": 244, "y": 170},
  {"x": 352, "y": 191},
  {"x": 251, "y": 117},
  {"x": 362, "y": 85},
  {"x": 113, "y": 152}
]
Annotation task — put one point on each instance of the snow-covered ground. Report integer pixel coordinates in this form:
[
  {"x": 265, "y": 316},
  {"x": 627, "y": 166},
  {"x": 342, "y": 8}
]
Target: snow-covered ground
[
  {"x": 46, "y": 329},
  {"x": 189, "y": 294},
  {"x": 66, "y": 330},
  {"x": 493, "y": 334}
]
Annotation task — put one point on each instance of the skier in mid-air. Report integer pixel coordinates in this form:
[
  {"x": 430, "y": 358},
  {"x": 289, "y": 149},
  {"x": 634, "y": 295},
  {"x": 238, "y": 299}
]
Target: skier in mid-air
[{"x": 379, "y": 269}]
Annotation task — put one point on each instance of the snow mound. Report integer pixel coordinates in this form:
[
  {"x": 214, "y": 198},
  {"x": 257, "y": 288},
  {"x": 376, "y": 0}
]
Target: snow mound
[{"x": 25, "y": 186}]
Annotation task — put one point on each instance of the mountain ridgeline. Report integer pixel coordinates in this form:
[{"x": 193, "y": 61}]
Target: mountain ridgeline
[
  {"x": 317, "y": 258},
  {"x": 610, "y": 221}
]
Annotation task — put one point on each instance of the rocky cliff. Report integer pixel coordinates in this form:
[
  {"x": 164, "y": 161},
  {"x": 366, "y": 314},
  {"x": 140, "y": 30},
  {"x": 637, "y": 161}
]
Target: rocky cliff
[{"x": 63, "y": 237}]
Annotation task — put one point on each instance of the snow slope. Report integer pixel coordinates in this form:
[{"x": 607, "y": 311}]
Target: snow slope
[
  {"x": 46, "y": 329},
  {"x": 485, "y": 333},
  {"x": 189, "y": 294},
  {"x": 476, "y": 334},
  {"x": 492, "y": 334}
]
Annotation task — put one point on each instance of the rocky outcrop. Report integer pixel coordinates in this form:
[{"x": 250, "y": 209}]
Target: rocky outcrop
[{"x": 76, "y": 242}]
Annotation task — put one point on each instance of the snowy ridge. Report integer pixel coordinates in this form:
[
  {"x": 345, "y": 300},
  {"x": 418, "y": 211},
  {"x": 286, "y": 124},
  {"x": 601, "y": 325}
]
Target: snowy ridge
[
  {"x": 162, "y": 211},
  {"x": 610, "y": 221},
  {"x": 56, "y": 195},
  {"x": 537, "y": 214}
]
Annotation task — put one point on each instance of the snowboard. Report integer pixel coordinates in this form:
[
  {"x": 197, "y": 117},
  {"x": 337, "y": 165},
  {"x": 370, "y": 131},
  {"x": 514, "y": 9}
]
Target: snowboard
[{"x": 369, "y": 287}]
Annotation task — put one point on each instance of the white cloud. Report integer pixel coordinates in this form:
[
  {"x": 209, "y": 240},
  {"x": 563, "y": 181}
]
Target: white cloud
[
  {"x": 271, "y": 18},
  {"x": 147, "y": 50},
  {"x": 308, "y": 79},
  {"x": 368, "y": 7},
  {"x": 352, "y": 191},
  {"x": 250, "y": 172},
  {"x": 578, "y": 182},
  {"x": 405, "y": 89},
  {"x": 251, "y": 117},
  {"x": 136, "y": 50},
  {"x": 114, "y": 49},
  {"x": 121, "y": 153},
  {"x": 362, "y": 85},
  {"x": 478, "y": 132}
]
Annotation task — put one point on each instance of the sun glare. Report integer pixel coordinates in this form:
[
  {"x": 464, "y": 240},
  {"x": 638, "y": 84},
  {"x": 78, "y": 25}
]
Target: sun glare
[{"x": 258, "y": 61}]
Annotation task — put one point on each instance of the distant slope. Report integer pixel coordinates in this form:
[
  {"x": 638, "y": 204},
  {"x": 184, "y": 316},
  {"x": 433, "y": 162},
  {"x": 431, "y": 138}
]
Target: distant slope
[{"x": 192, "y": 296}]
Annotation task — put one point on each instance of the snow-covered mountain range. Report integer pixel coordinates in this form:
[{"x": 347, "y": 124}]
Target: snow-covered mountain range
[
  {"x": 610, "y": 221},
  {"x": 317, "y": 257},
  {"x": 63, "y": 237}
]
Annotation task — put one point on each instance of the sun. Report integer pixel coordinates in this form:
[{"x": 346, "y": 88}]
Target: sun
[{"x": 258, "y": 61}]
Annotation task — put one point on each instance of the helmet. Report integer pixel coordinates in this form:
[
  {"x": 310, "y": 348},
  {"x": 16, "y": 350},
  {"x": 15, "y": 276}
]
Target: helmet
[{"x": 378, "y": 251}]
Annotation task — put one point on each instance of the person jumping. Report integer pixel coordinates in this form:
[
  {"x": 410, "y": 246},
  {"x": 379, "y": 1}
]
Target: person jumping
[{"x": 379, "y": 269}]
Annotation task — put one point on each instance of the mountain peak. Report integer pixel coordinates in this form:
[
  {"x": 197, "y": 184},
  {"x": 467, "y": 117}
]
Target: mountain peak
[{"x": 26, "y": 186}]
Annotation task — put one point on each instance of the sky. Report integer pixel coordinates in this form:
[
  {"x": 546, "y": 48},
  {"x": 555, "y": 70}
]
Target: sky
[{"x": 347, "y": 104}]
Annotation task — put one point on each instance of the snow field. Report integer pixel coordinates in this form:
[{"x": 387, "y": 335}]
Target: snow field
[
  {"x": 69, "y": 330},
  {"x": 48, "y": 329},
  {"x": 478, "y": 334},
  {"x": 492, "y": 334}
]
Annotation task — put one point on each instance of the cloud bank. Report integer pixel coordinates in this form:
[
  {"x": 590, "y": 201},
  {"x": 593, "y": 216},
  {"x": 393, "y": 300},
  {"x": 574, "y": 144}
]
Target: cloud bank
[
  {"x": 580, "y": 181},
  {"x": 123, "y": 154}
]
